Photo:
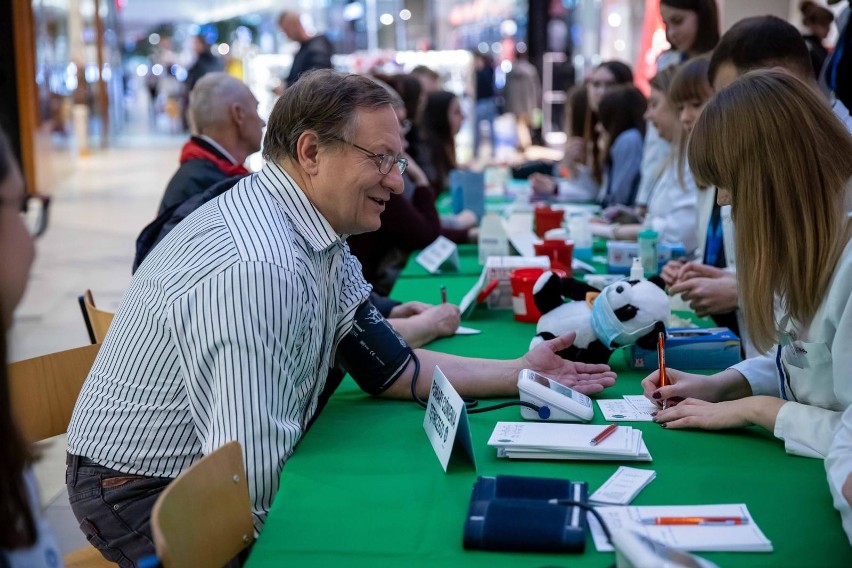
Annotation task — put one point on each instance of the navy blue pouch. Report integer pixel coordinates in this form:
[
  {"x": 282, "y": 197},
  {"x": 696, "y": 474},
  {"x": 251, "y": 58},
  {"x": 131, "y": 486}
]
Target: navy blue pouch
[{"x": 512, "y": 513}]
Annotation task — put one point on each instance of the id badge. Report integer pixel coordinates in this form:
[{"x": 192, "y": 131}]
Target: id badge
[{"x": 792, "y": 350}]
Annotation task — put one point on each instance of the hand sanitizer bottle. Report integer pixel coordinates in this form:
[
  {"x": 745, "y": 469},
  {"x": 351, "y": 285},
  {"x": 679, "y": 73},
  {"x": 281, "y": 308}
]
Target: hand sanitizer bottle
[
  {"x": 581, "y": 234},
  {"x": 636, "y": 271}
]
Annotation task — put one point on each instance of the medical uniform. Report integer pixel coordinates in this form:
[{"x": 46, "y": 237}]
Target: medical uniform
[
  {"x": 812, "y": 369},
  {"x": 838, "y": 465}
]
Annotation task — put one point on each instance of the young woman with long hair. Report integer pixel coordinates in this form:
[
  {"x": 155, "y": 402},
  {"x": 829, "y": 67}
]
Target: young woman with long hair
[
  {"x": 620, "y": 133},
  {"x": 782, "y": 160}
]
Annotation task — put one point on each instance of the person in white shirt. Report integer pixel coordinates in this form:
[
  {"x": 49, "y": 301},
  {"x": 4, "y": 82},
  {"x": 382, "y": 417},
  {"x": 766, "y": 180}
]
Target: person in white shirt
[
  {"x": 779, "y": 157},
  {"x": 838, "y": 466},
  {"x": 672, "y": 200},
  {"x": 760, "y": 42},
  {"x": 231, "y": 326}
]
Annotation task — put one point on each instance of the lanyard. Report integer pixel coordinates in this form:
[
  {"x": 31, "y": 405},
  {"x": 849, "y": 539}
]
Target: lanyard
[
  {"x": 715, "y": 241},
  {"x": 782, "y": 376}
]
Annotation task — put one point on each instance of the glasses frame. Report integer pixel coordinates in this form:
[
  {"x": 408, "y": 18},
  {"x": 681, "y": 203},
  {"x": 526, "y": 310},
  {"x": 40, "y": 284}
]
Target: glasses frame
[
  {"x": 380, "y": 159},
  {"x": 38, "y": 225}
]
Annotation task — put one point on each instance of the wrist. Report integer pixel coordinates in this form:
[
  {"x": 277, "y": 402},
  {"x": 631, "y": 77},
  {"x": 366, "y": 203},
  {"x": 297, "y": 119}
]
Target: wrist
[
  {"x": 763, "y": 410},
  {"x": 731, "y": 385}
]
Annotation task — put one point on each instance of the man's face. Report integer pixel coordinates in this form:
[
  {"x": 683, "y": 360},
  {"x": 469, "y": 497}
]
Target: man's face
[
  {"x": 291, "y": 26},
  {"x": 348, "y": 188},
  {"x": 726, "y": 74},
  {"x": 252, "y": 130}
]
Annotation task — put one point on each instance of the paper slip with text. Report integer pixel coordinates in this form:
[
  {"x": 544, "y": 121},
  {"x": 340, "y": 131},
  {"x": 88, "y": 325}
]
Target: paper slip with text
[
  {"x": 746, "y": 537},
  {"x": 624, "y": 485},
  {"x": 631, "y": 408},
  {"x": 550, "y": 440}
]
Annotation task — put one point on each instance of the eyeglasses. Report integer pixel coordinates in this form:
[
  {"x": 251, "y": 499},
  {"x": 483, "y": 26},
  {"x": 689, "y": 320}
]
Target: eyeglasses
[
  {"x": 383, "y": 161},
  {"x": 34, "y": 212}
]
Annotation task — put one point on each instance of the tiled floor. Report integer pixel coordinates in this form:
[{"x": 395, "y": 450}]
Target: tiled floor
[{"x": 96, "y": 213}]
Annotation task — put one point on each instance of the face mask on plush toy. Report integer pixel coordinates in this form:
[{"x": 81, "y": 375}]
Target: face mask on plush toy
[{"x": 625, "y": 312}]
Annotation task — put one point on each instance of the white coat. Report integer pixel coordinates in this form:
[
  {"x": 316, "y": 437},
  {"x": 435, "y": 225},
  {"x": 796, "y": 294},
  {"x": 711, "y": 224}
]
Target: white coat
[
  {"x": 817, "y": 368},
  {"x": 672, "y": 208},
  {"x": 838, "y": 466}
]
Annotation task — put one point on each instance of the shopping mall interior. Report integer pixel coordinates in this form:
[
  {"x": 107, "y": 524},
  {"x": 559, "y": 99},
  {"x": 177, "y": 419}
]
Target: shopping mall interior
[{"x": 92, "y": 96}]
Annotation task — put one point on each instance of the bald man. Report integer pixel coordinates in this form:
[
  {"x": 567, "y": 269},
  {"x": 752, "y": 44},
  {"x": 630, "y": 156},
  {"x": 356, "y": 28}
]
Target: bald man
[{"x": 315, "y": 51}]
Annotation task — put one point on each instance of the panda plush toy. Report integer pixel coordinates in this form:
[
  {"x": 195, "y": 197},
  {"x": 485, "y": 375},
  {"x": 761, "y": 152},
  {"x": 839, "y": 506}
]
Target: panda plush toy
[{"x": 624, "y": 313}]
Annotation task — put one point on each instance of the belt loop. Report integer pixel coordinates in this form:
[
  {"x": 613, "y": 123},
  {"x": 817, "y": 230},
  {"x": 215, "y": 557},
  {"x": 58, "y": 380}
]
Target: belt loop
[{"x": 72, "y": 463}]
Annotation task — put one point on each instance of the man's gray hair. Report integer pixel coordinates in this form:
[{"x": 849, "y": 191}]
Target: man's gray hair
[
  {"x": 324, "y": 101},
  {"x": 210, "y": 99}
]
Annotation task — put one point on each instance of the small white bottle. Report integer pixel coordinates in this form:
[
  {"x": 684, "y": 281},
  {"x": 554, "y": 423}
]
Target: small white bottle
[
  {"x": 581, "y": 234},
  {"x": 636, "y": 270},
  {"x": 492, "y": 238}
]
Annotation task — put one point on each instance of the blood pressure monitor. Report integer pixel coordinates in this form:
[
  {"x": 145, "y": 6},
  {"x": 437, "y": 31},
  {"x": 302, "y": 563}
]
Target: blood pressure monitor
[{"x": 565, "y": 404}]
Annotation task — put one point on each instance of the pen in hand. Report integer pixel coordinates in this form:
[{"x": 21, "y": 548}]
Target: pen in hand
[
  {"x": 605, "y": 433},
  {"x": 661, "y": 358},
  {"x": 443, "y": 294}
]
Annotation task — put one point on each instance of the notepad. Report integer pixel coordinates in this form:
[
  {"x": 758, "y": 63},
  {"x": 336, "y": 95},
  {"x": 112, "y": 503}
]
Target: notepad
[
  {"x": 623, "y": 486},
  {"x": 550, "y": 440},
  {"x": 631, "y": 408},
  {"x": 696, "y": 538}
]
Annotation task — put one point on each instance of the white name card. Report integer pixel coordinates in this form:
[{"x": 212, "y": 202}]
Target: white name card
[
  {"x": 446, "y": 421},
  {"x": 442, "y": 253}
]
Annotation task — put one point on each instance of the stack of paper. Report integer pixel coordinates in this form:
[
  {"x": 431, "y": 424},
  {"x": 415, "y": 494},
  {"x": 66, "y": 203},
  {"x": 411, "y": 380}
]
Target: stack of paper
[
  {"x": 624, "y": 485},
  {"x": 743, "y": 537},
  {"x": 632, "y": 408},
  {"x": 556, "y": 441}
]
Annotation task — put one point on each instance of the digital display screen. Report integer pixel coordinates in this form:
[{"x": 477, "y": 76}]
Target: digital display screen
[{"x": 554, "y": 386}]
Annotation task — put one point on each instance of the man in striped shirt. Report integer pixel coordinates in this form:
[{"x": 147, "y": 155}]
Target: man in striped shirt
[{"x": 230, "y": 326}]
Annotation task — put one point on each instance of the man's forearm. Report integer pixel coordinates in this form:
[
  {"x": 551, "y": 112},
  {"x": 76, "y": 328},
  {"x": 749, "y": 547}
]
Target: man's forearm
[{"x": 469, "y": 376}]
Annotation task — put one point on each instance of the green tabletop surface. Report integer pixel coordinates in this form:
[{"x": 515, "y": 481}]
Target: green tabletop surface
[{"x": 364, "y": 487}]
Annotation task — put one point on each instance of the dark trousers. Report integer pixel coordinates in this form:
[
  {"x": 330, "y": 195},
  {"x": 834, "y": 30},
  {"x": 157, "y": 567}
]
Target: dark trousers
[{"x": 113, "y": 509}]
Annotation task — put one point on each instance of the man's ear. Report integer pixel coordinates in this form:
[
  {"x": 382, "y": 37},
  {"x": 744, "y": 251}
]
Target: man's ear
[
  {"x": 307, "y": 151},
  {"x": 238, "y": 114}
]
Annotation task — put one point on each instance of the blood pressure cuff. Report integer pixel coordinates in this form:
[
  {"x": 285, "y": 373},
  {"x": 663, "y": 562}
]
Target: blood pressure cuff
[
  {"x": 513, "y": 514},
  {"x": 372, "y": 352}
]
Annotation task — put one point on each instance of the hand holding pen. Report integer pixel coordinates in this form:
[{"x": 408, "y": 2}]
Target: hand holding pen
[{"x": 661, "y": 359}]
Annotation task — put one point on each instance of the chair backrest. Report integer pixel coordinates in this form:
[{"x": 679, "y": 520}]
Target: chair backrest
[
  {"x": 97, "y": 321},
  {"x": 203, "y": 518},
  {"x": 43, "y": 390}
]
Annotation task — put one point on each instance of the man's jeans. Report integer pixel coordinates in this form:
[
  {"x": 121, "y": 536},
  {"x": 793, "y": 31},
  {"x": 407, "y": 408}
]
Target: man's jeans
[{"x": 113, "y": 509}]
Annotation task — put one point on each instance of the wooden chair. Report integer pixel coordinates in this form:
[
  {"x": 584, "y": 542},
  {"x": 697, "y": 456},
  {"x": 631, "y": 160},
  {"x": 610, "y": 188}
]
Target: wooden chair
[
  {"x": 42, "y": 392},
  {"x": 203, "y": 518},
  {"x": 97, "y": 321}
]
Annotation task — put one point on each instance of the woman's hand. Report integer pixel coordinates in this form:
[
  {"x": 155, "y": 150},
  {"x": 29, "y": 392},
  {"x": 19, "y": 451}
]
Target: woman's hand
[
  {"x": 671, "y": 271},
  {"x": 695, "y": 413},
  {"x": 726, "y": 385},
  {"x": 542, "y": 184}
]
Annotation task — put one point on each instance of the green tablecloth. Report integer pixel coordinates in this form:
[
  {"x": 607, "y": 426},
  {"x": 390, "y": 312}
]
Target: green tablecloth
[{"x": 364, "y": 487}]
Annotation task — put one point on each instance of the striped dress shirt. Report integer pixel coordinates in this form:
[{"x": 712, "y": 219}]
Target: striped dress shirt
[{"x": 227, "y": 332}]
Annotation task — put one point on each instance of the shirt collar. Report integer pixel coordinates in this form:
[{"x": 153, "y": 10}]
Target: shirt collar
[
  {"x": 218, "y": 147},
  {"x": 306, "y": 218}
]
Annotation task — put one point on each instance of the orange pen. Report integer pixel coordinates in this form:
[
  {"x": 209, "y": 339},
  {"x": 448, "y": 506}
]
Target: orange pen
[
  {"x": 661, "y": 358},
  {"x": 605, "y": 433},
  {"x": 695, "y": 521}
]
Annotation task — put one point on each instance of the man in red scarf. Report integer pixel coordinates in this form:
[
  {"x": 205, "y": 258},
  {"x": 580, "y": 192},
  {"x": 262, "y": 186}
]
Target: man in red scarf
[{"x": 226, "y": 130}]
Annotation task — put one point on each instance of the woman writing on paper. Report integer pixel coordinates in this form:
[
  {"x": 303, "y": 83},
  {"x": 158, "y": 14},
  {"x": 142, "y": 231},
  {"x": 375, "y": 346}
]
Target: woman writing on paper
[{"x": 782, "y": 160}]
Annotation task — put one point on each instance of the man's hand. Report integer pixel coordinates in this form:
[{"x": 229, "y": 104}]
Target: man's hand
[
  {"x": 441, "y": 319},
  {"x": 709, "y": 295},
  {"x": 408, "y": 309},
  {"x": 583, "y": 377}
]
